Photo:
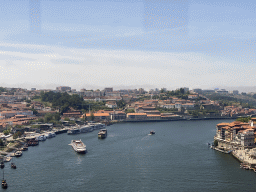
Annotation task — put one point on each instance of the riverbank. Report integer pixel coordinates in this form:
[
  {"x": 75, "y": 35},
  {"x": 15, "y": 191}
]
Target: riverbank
[
  {"x": 247, "y": 157},
  {"x": 180, "y": 119}
]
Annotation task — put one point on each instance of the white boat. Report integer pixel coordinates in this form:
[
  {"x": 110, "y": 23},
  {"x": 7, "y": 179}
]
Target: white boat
[
  {"x": 102, "y": 133},
  {"x": 41, "y": 138},
  {"x": 49, "y": 135},
  {"x": 78, "y": 146},
  {"x": 18, "y": 153}
]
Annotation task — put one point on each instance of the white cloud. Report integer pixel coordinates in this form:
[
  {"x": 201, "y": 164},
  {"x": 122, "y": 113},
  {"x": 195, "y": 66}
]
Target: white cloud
[{"x": 79, "y": 67}]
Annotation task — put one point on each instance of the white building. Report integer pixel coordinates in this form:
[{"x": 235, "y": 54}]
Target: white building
[{"x": 247, "y": 137}]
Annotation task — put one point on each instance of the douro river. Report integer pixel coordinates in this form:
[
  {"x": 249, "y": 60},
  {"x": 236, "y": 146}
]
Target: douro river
[{"x": 176, "y": 158}]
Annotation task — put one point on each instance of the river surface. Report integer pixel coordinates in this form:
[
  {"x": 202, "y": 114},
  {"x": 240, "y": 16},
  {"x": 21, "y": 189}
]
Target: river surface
[{"x": 176, "y": 158}]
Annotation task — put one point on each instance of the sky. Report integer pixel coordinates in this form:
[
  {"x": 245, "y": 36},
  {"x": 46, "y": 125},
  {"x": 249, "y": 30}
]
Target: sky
[{"x": 94, "y": 44}]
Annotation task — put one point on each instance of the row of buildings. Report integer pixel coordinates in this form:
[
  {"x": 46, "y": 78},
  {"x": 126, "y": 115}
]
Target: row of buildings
[{"x": 236, "y": 135}]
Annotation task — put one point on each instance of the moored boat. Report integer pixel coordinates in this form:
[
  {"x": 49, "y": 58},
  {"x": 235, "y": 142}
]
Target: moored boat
[
  {"x": 7, "y": 158},
  {"x": 102, "y": 133},
  {"x": 33, "y": 142},
  {"x": 84, "y": 129},
  {"x": 73, "y": 131},
  {"x": 18, "y": 153},
  {"x": 25, "y": 147},
  {"x": 78, "y": 146}
]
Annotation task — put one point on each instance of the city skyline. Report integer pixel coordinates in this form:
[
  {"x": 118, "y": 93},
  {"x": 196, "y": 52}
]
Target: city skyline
[{"x": 127, "y": 43}]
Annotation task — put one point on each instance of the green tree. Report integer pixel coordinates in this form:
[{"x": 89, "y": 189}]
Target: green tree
[
  {"x": 56, "y": 116},
  {"x": 48, "y": 117},
  {"x": 129, "y": 111},
  {"x": 6, "y": 132},
  {"x": 41, "y": 120},
  {"x": 35, "y": 112},
  {"x": 64, "y": 108},
  {"x": 66, "y": 119},
  {"x": 92, "y": 116},
  {"x": 17, "y": 134},
  {"x": 243, "y": 119},
  {"x": 121, "y": 104}
]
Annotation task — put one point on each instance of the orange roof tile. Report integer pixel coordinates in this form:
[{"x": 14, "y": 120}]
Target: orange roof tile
[{"x": 136, "y": 114}]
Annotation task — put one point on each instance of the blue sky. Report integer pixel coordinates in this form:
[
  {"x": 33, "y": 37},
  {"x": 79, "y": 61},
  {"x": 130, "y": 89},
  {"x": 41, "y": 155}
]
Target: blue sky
[{"x": 127, "y": 43}]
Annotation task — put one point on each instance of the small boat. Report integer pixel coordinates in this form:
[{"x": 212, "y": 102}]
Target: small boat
[
  {"x": 78, "y": 146},
  {"x": 25, "y": 147},
  {"x": 4, "y": 183},
  {"x": 13, "y": 166},
  {"x": 2, "y": 164},
  {"x": 152, "y": 132},
  {"x": 18, "y": 153},
  {"x": 102, "y": 133},
  {"x": 41, "y": 138}
]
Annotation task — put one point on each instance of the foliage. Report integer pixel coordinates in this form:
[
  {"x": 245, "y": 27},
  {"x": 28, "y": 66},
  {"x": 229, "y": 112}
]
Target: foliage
[
  {"x": 6, "y": 132},
  {"x": 64, "y": 102},
  {"x": 165, "y": 110},
  {"x": 129, "y": 111},
  {"x": 40, "y": 120},
  {"x": 92, "y": 116},
  {"x": 35, "y": 112},
  {"x": 55, "y": 117},
  {"x": 243, "y": 119},
  {"x": 35, "y": 97},
  {"x": 66, "y": 119},
  {"x": 121, "y": 104},
  {"x": 72, "y": 122},
  {"x": 180, "y": 93},
  {"x": 142, "y": 98},
  {"x": 17, "y": 134},
  {"x": 36, "y": 126},
  {"x": 155, "y": 97},
  {"x": 227, "y": 100},
  {"x": 1, "y": 142},
  {"x": 2, "y": 89},
  {"x": 47, "y": 117}
]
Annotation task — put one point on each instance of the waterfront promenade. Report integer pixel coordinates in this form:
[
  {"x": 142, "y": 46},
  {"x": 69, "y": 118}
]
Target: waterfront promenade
[{"x": 246, "y": 156}]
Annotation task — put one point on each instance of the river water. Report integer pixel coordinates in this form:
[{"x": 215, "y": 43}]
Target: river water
[{"x": 176, "y": 158}]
